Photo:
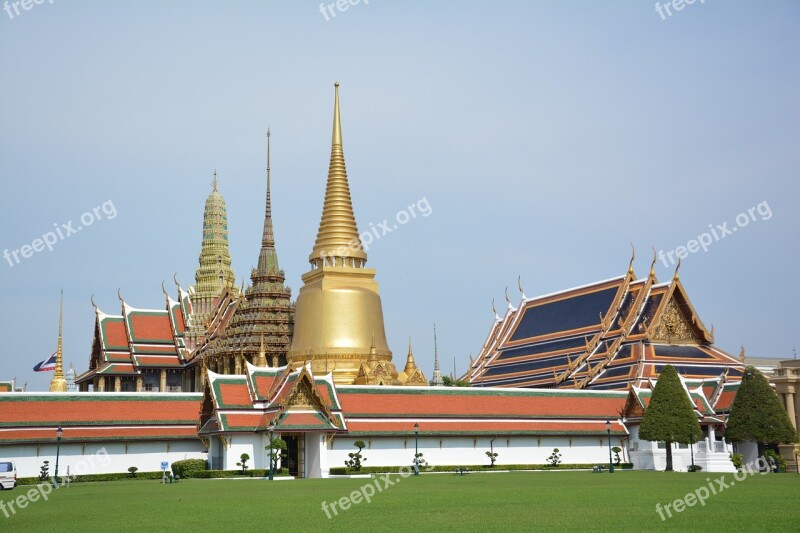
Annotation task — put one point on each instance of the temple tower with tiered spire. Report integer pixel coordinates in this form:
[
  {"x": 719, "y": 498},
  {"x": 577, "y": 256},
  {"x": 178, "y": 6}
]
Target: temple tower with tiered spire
[
  {"x": 58, "y": 383},
  {"x": 436, "y": 380},
  {"x": 260, "y": 330},
  {"x": 339, "y": 321},
  {"x": 214, "y": 273}
]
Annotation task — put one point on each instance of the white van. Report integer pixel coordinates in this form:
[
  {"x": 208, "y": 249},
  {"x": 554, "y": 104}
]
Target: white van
[{"x": 8, "y": 474}]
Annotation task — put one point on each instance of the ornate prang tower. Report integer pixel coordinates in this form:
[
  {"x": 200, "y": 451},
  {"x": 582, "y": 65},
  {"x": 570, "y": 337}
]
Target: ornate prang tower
[
  {"x": 215, "y": 272},
  {"x": 58, "y": 383},
  {"x": 339, "y": 322},
  {"x": 260, "y": 330}
]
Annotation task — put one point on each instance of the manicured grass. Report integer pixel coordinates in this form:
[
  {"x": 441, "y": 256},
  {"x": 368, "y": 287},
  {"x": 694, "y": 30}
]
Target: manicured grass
[{"x": 624, "y": 501}]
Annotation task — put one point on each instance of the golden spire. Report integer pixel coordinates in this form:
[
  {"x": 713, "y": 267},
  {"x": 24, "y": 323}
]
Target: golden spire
[
  {"x": 338, "y": 236},
  {"x": 58, "y": 383},
  {"x": 741, "y": 355},
  {"x": 411, "y": 366},
  {"x": 268, "y": 237}
]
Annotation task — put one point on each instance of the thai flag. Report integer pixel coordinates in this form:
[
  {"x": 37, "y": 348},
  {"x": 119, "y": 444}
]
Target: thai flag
[{"x": 47, "y": 365}]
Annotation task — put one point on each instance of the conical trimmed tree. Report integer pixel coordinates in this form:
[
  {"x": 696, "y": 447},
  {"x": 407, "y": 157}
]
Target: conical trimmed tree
[
  {"x": 757, "y": 414},
  {"x": 670, "y": 415}
]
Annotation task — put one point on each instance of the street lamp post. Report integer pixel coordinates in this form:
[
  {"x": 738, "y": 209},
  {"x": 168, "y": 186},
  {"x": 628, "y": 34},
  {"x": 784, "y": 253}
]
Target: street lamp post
[
  {"x": 416, "y": 449},
  {"x": 610, "y": 461},
  {"x": 59, "y": 433},
  {"x": 271, "y": 433}
]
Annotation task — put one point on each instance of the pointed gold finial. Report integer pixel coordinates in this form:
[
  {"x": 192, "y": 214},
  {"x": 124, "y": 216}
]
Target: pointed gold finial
[
  {"x": 494, "y": 309},
  {"x": 337, "y": 122},
  {"x": 91, "y": 299},
  {"x": 338, "y": 239},
  {"x": 677, "y": 268},
  {"x": 214, "y": 183},
  {"x": 633, "y": 256},
  {"x": 119, "y": 295},
  {"x": 519, "y": 286},
  {"x": 653, "y": 264},
  {"x": 741, "y": 355},
  {"x": 175, "y": 279}
]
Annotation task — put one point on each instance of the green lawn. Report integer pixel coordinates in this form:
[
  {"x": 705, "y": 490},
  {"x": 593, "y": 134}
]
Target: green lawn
[{"x": 434, "y": 502}]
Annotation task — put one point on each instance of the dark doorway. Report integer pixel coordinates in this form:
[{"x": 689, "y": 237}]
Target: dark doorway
[{"x": 294, "y": 454}]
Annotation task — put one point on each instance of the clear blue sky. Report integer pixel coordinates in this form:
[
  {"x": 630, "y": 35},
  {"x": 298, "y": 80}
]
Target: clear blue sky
[{"x": 546, "y": 137}]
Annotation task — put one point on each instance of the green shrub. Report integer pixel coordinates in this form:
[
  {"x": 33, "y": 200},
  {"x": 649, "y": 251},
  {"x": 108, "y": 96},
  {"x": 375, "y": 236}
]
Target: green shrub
[
  {"x": 132, "y": 471},
  {"x": 555, "y": 458},
  {"x": 189, "y": 468},
  {"x": 44, "y": 472},
  {"x": 217, "y": 474},
  {"x": 343, "y": 471},
  {"x": 777, "y": 462},
  {"x": 737, "y": 459},
  {"x": 356, "y": 457},
  {"x": 116, "y": 476}
]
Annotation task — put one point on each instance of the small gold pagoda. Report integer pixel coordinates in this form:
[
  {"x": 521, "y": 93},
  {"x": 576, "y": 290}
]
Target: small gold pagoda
[
  {"x": 339, "y": 317},
  {"x": 58, "y": 383}
]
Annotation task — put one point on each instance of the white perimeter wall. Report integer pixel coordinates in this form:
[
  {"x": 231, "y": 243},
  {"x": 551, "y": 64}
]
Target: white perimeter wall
[
  {"x": 461, "y": 451},
  {"x": 100, "y": 458}
]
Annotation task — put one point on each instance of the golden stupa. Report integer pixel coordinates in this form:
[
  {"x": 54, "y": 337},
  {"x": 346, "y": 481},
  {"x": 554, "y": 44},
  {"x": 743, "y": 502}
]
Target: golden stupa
[{"x": 339, "y": 318}]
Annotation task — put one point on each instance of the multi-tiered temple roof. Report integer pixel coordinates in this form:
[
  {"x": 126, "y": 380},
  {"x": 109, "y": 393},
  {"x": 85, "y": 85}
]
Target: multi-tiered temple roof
[
  {"x": 605, "y": 335},
  {"x": 138, "y": 341}
]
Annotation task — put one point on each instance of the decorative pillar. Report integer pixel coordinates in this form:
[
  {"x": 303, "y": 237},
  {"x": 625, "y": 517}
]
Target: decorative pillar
[
  {"x": 117, "y": 384},
  {"x": 101, "y": 384},
  {"x": 139, "y": 386},
  {"x": 790, "y": 406},
  {"x": 226, "y": 366},
  {"x": 162, "y": 385}
]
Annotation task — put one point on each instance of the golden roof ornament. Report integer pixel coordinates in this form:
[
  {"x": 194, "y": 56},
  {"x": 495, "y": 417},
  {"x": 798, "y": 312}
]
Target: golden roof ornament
[
  {"x": 653, "y": 264},
  {"x": 633, "y": 257},
  {"x": 411, "y": 365}
]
